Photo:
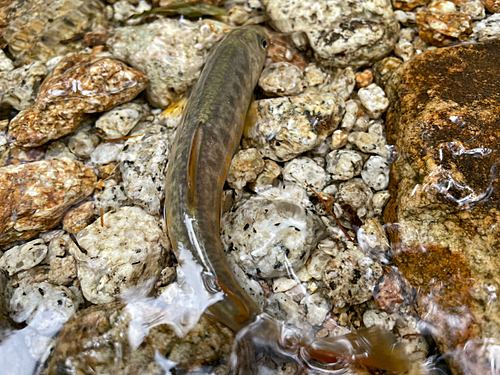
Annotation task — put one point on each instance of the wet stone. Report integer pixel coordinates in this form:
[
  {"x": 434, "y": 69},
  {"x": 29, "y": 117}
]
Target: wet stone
[
  {"x": 80, "y": 84},
  {"x": 287, "y": 127},
  {"x": 144, "y": 164},
  {"x": 444, "y": 195},
  {"x": 107, "y": 152},
  {"x": 266, "y": 236},
  {"x": 475, "y": 9},
  {"x": 267, "y": 177},
  {"x": 388, "y": 295},
  {"x": 283, "y": 79},
  {"x": 375, "y": 172},
  {"x": 374, "y": 100},
  {"x": 372, "y": 238},
  {"x": 339, "y": 34},
  {"x": 301, "y": 170},
  {"x": 370, "y": 143},
  {"x": 489, "y": 28},
  {"x": 409, "y": 4},
  {"x": 344, "y": 164},
  {"x": 112, "y": 196},
  {"x": 127, "y": 252},
  {"x": 440, "y": 26},
  {"x": 18, "y": 87},
  {"x": 83, "y": 143},
  {"x": 119, "y": 121},
  {"x": 77, "y": 218},
  {"x": 42, "y": 306},
  {"x": 26, "y": 212},
  {"x": 383, "y": 69},
  {"x": 357, "y": 195},
  {"x": 351, "y": 277},
  {"x": 40, "y": 30},
  {"x": 23, "y": 257},
  {"x": 91, "y": 337},
  {"x": 244, "y": 168},
  {"x": 62, "y": 270},
  {"x": 58, "y": 150},
  {"x": 176, "y": 51}
]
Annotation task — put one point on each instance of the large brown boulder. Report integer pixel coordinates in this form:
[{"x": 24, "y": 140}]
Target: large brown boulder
[{"x": 444, "y": 121}]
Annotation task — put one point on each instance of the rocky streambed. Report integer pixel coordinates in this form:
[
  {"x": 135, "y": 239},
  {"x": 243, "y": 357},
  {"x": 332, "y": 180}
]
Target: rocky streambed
[{"x": 389, "y": 110}]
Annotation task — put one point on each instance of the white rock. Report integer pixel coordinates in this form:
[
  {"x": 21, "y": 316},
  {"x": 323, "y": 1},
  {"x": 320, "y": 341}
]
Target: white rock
[
  {"x": 488, "y": 28},
  {"x": 342, "y": 83},
  {"x": 267, "y": 178},
  {"x": 317, "y": 308},
  {"x": 358, "y": 195},
  {"x": 344, "y": 164},
  {"x": 107, "y": 152},
  {"x": 283, "y": 79},
  {"x": 406, "y": 18},
  {"x": 475, "y": 9},
  {"x": 379, "y": 200},
  {"x": 119, "y": 121},
  {"x": 375, "y": 172},
  {"x": 317, "y": 264},
  {"x": 176, "y": 51},
  {"x": 244, "y": 168},
  {"x": 339, "y": 33},
  {"x": 287, "y": 127},
  {"x": 127, "y": 252},
  {"x": 339, "y": 139},
  {"x": 304, "y": 169},
  {"x": 372, "y": 237},
  {"x": 282, "y": 284},
  {"x": 351, "y": 277},
  {"x": 267, "y": 237},
  {"x": 369, "y": 142},
  {"x": 43, "y": 306},
  {"x": 378, "y": 318},
  {"x": 23, "y": 257},
  {"x": 314, "y": 75},
  {"x": 144, "y": 164},
  {"x": 6, "y": 64},
  {"x": 374, "y": 100},
  {"x": 249, "y": 284},
  {"x": 350, "y": 116},
  {"x": 111, "y": 197},
  {"x": 83, "y": 143},
  {"x": 57, "y": 150}
]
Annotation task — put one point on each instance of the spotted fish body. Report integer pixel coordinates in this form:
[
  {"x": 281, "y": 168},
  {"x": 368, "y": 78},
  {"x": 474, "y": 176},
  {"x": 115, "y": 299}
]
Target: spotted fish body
[{"x": 206, "y": 141}]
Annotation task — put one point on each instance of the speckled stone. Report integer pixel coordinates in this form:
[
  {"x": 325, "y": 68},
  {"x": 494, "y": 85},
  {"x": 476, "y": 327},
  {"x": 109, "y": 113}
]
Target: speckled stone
[
  {"x": 176, "y": 50},
  {"x": 282, "y": 79},
  {"x": 287, "y": 127},
  {"x": 127, "y": 252},
  {"x": 265, "y": 236},
  {"x": 34, "y": 199},
  {"x": 341, "y": 33},
  {"x": 80, "y": 84},
  {"x": 444, "y": 122},
  {"x": 91, "y": 337}
]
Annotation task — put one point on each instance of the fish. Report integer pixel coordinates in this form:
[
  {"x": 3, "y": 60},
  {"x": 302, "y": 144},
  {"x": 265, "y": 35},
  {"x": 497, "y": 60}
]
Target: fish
[{"x": 208, "y": 136}]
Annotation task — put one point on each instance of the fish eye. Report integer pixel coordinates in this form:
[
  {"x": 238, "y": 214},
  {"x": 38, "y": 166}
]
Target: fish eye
[{"x": 263, "y": 42}]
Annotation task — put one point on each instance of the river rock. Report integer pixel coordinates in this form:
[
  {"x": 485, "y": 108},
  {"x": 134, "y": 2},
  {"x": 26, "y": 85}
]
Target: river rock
[
  {"x": 444, "y": 121},
  {"x": 124, "y": 250},
  {"x": 38, "y": 30},
  {"x": 36, "y": 195},
  {"x": 92, "y": 336},
  {"x": 341, "y": 33},
  {"x": 80, "y": 84},
  {"x": 170, "y": 51}
]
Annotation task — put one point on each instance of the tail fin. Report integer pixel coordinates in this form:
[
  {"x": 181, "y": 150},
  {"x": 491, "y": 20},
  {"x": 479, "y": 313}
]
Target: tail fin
[{"x": 373, "y": 347}]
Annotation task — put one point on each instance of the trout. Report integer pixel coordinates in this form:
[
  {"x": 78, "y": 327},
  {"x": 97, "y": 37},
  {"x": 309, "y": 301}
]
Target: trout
[{"x": 208, "y": 136}]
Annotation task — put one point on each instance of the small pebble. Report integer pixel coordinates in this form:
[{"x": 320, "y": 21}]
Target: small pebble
[
  {"x": 375, "y": 172},
  {"x": 119, "y": 121},
  {"x": 244, "y": 168},
  {"x": 344, "y": 164},
  {"x": 23, "y": 257},
  {"x": 282, "y": 79},
  {"x": 374, "y": 100}
]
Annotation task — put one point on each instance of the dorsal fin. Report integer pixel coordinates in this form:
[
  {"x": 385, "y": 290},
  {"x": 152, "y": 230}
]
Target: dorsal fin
[{"x": 194, "y": 154}]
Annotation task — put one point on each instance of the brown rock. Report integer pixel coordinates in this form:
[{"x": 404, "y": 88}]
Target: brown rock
[
  {"x": 408, "y": 4},
  {"x": 442, "y": 29},
  {"x": 444, "y": 121},
  {"x": 38, "y": 30},
  {"x": 90, "y": 340},
  {"x": 36, "y": 195},
  {"x": 364, "y": 78},
  {"x": 383, "y": 69},
  {"x": 79, "y": 85},
  {"x": 62, "y": 270},
  {"x": 492, "y": 6},
  {"x": 388, "y": 295},
  {"x": 79, "y": 217}
]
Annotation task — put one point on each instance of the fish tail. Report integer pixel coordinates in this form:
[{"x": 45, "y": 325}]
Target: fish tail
[{"x": 372, "y": 347}]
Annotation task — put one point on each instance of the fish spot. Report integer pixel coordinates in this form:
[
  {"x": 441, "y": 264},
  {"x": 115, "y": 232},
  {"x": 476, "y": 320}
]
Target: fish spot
[
  {"x": 220, "y": 179},
  {"x": 228, "y": 159},
  {"x": 231, "y": 145},
  {"x": 241, "y": 115},
  {"x": 237, "y": 138},
  {"x": 224, "y": 171}
]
